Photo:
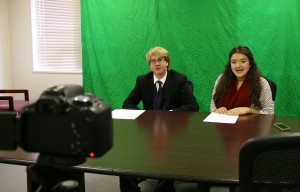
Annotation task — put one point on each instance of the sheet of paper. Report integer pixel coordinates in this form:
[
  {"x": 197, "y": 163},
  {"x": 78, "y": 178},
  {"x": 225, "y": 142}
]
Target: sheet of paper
[
  {"x": 126, "y": 113},
  {"x": 220, "y": 118}
]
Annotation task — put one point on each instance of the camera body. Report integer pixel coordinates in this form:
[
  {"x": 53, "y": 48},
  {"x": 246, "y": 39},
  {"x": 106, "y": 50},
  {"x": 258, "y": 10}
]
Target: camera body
[{"x": 65, "y": 122}]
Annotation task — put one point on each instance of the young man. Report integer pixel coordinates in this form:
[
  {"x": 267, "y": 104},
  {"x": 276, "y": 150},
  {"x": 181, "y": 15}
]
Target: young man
[
  {"x": 160, "y": 89},
  {"x": 176, "y": 93}
]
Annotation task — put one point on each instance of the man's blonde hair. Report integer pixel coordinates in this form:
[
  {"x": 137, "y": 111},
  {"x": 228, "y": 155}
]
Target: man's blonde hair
[{"x": 159, "y": 52}]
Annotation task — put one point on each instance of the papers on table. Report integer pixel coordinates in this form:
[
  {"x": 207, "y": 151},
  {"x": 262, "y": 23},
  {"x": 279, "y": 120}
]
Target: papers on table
[
  {"x": 126, "y": 113},
  {"x": 221, "y": 118}
]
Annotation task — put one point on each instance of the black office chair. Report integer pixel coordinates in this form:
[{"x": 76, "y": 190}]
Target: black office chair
[
  {"x": 273, "y": 87},
  {"x": 270, "y": 164},
  {"x": 191, "y": 85}
]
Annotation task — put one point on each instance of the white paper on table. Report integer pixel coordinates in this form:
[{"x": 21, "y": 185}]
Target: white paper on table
[
  {"x": 126, "y": 113},
  {"x": 221, "y": 118}
]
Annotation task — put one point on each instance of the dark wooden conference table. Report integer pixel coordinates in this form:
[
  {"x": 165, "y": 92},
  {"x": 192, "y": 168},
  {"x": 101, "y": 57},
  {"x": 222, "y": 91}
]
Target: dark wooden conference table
[{"x": 174, "y": 145}]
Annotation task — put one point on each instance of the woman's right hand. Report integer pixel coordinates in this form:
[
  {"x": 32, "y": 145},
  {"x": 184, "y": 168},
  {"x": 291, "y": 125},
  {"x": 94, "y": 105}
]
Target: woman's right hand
[{"x": 221, "y": 110}]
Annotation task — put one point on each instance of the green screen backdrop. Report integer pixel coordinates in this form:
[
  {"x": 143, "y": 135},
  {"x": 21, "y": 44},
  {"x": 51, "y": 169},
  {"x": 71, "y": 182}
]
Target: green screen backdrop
[{"x": 198, "y": 34}]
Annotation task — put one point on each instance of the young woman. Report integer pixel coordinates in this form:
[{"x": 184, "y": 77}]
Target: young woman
[{"x": 241, "y": 89}]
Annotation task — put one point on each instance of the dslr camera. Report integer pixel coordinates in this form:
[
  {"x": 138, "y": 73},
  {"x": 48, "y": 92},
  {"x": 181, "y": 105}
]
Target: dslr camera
[{"x": 63, "y": 122}]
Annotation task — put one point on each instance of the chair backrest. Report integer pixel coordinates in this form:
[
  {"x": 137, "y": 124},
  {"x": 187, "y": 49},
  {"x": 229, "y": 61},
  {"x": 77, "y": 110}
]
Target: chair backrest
[
  {"x": 11, "y": 104},
  {"x": 273, "y": 87},
  {"x": 191, "y": 85},
  {"x": 270, "y": 163},
  {"x": 23, "y": 91}
]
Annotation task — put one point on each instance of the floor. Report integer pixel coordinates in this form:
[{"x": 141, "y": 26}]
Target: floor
[{"x": 13, "y": 179}]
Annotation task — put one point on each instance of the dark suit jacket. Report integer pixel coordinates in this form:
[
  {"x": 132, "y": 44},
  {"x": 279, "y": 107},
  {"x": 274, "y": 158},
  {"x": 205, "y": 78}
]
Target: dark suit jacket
[{"x": 178, "y": 94}]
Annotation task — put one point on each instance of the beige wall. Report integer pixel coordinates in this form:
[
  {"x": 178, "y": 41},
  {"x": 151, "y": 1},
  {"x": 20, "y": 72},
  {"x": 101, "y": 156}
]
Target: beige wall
[
  {"x": 20, "y": 54},
  {"x": 5, "y": 69}
]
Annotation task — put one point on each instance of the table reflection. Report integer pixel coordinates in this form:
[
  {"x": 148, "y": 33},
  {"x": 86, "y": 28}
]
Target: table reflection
[
  {"x": 248, "y": 126},
  {"x": 162, "y": 129}
]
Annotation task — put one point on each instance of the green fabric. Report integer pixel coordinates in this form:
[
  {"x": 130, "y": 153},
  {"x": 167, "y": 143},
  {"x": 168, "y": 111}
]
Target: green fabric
[{"x": 198, "y": 34}]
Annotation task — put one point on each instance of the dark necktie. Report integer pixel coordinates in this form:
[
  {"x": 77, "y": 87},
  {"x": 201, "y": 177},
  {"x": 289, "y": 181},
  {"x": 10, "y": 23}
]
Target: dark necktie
[{"x": 158, "y": 97}]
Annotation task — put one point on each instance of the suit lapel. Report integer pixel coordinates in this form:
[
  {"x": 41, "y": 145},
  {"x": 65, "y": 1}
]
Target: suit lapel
[
  {"x": 167, "y": 90},
  {"x": 149, "y": 87}
]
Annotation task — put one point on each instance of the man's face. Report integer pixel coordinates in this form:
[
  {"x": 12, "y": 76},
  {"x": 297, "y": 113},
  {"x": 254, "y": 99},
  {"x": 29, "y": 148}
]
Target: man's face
[{"x": 158, "y": 66}]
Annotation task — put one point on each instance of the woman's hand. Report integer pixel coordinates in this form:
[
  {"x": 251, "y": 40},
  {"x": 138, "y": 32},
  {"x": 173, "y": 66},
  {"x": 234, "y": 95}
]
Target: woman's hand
[
  {"x": 238, "y": 111},
  {"x": 221, "y": 110}
]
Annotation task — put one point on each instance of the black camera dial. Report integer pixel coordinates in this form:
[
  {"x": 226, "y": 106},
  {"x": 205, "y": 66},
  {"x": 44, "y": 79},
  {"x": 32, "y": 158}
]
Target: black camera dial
[{"x": 82, "y": 100}]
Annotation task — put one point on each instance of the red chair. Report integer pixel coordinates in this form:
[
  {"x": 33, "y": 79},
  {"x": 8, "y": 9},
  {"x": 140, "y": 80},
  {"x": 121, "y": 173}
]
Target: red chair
[{"x": 8, "y": 103}]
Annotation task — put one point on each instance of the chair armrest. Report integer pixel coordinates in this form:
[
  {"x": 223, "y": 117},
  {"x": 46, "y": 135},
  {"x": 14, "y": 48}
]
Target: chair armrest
[{"x": 10, "y": 101}]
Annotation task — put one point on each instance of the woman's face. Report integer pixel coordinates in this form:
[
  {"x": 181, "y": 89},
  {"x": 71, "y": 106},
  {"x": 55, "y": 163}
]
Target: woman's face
[{"x": 240, "y": 65}]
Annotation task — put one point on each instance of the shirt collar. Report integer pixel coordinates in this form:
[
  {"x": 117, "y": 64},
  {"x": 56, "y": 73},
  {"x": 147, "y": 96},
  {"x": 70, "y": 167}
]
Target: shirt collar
[{"x": 163, "y": 80}]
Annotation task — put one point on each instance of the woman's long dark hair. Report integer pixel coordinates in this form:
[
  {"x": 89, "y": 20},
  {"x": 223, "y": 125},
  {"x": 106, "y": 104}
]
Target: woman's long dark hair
[{"x": 253, "y": 76}]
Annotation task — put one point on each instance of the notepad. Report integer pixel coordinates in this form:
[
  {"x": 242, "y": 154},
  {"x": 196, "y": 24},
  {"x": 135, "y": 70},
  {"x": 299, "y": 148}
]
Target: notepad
[
  {"x": 126, "y": 113},
  {"x": 221, "y": 118}
]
